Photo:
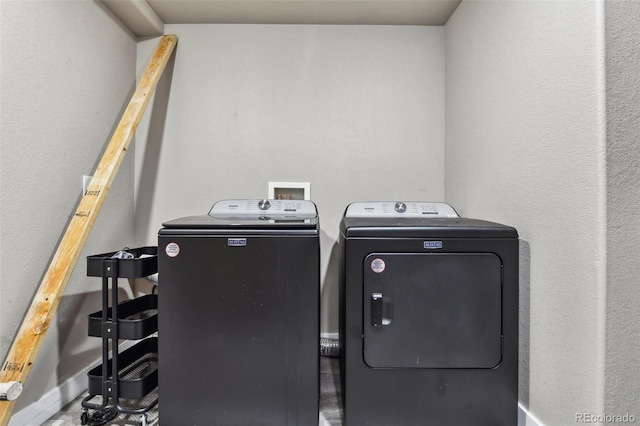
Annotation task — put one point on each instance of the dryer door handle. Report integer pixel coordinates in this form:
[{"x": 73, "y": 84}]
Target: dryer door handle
[{"x": 380, "y": 310}]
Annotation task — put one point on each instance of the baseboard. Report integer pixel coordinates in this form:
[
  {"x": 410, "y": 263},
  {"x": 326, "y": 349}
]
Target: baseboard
[
  {"x": 52, "y": 402},
  {"x": 525, "y": 418},
  {"x": 56, "y": 399}
]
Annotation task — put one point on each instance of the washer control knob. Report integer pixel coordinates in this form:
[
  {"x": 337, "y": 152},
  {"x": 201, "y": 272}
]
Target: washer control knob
[
  {"x": 264, "y": 204},
  {"x": 400, "y": 207}
]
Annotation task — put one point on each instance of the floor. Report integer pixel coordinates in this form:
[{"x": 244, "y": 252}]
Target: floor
[{"x": 330, "y": 403}]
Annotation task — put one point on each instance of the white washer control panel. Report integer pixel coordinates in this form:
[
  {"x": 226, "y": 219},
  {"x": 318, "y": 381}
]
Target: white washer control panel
[
  {"x": 263, "y": 209},
  {"x": 409, "y": 209}
]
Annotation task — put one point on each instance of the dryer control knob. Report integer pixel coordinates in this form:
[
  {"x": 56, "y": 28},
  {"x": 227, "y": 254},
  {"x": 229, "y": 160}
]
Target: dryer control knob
[
  {"x": 401, "y": 207},
  {"x": 264, "y": 204}
]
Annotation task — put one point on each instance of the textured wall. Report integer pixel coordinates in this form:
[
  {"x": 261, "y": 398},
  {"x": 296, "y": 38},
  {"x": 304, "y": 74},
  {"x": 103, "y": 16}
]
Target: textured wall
[
  {"x": 622, "y": 30},
  {"x": 525, "y": 146},
  {"x": 358, "y": 111},
  {"x": 67, "y": 71}
]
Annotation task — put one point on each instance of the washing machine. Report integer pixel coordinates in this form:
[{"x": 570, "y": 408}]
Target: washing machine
[
  {"x": 238, "y": 315},
  {"x": 428, "y": 317}
]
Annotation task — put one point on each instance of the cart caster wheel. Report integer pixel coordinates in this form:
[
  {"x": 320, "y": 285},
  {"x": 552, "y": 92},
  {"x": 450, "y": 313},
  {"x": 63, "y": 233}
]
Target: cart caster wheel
[
  {"x": 84, "y": 418},
  {"x": 143, "y": 420},
  {"x": 102, "y": 417}
]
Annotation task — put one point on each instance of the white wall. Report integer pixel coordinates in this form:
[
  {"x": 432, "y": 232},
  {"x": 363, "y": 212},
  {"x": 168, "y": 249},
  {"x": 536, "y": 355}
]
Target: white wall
[
  {"x": 358, "y": 111},
  {"x": 622, "y": 30},
  {"x": 67, "y": 72},
  {"x": 525, "y": 146}
]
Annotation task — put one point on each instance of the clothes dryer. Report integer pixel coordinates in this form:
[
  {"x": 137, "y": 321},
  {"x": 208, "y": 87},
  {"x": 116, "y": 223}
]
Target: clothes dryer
[{"x": 428, "y": 317}]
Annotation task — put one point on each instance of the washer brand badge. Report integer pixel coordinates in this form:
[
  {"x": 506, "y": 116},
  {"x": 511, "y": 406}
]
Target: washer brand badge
[
  {"x": 378, "y": 265},
  {"x": 433, "y": 244},
  {"x": 172, "y": 249},
  {"x": 236, "y": 242}
]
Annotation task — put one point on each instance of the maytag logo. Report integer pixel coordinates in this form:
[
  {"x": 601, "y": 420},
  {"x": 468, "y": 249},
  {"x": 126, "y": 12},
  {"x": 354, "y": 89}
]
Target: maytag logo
[
  {"x": 433, "y": 244},
  {"x": 236, "y": 242}
]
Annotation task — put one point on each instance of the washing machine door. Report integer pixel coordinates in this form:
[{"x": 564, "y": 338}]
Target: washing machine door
[{"x": 432, "y": 310}]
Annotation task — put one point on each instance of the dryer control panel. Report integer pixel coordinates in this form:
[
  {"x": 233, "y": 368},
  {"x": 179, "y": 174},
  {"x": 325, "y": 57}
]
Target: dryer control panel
[
  {"x": 409, "y": 209},
  {"x": 263, "y": 209}
]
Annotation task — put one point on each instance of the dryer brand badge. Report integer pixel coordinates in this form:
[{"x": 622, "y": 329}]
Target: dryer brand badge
[
  {"x": 236, "y": 242},
  {"x": 378, "y": 265},
  {"x": 433, "y": 244}
]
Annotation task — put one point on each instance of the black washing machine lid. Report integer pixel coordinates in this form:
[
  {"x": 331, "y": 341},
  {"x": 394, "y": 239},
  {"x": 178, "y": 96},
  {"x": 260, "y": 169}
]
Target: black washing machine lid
[
  {"x": 432, "y": 310},
  {"x": 251, "y": 216}
]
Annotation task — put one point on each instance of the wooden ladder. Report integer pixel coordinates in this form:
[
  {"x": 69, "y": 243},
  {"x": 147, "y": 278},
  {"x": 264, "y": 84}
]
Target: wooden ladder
[{"x": 26, "y": 345}]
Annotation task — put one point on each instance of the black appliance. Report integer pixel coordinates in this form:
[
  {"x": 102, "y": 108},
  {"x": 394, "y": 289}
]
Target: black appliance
[
  {"x": 238, "y": 315},
  {"x": 428, "y": 317}
]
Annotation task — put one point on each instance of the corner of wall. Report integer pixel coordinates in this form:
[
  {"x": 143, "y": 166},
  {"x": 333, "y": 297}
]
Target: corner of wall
[{"x": 622, "y": 355}]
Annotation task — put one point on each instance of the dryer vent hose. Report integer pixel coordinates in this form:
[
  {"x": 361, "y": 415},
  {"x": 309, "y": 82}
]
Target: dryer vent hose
[{"x": 329, "y": 347}]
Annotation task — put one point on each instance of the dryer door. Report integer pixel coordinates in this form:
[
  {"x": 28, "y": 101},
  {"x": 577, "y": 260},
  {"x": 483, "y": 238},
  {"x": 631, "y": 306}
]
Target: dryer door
[{"x": 432, "y": 310}]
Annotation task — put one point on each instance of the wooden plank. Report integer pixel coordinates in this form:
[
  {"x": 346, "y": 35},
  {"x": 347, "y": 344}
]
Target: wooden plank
[{"x": 26, "y": 345}]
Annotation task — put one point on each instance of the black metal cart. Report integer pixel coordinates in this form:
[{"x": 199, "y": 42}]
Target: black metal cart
[{"x": 136, "y": 319}]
